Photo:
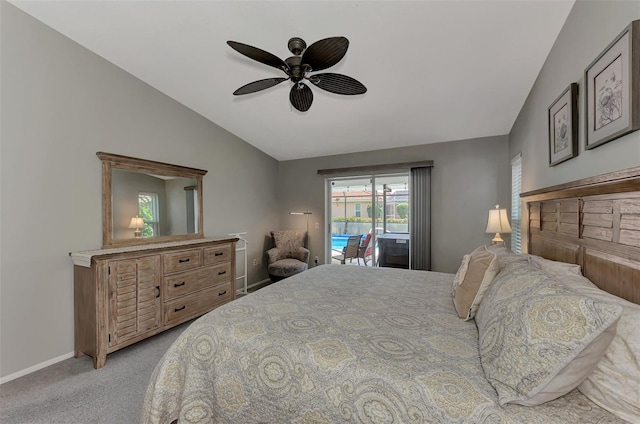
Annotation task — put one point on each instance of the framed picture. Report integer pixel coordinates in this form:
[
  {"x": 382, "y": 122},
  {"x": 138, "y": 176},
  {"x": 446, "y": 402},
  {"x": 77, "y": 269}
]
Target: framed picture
[
  {"x": 612, "y": 89},
  {"x": 563, "y": 126}
]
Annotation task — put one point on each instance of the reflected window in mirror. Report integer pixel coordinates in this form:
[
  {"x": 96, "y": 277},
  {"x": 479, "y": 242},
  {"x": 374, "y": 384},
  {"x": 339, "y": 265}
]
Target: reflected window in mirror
[{"x": 148, "y": 207}]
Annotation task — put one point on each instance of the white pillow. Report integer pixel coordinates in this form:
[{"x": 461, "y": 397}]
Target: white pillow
[
  {"x": 615, "y": 382},
  {"x": 462, "y": 271},
  {"x": 554, "y": 268}
]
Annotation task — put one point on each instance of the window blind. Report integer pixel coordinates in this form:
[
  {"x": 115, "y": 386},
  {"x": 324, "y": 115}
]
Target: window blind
[{"x": 516, "y": 188}]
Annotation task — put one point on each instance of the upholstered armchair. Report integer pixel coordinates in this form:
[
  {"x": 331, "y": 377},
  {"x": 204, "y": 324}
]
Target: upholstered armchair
[{"x": 289, "y": 256}]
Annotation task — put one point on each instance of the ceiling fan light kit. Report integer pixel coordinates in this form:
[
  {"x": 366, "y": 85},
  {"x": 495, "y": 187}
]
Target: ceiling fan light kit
[{"x": 318, "y": 56}]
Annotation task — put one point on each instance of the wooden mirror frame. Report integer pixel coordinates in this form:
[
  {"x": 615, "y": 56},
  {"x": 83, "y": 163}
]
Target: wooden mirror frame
[{"x": 109, "y": 161}]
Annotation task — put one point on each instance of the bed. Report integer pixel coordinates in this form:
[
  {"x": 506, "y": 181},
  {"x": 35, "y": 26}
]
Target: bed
[{"x": 354, "y": 344}]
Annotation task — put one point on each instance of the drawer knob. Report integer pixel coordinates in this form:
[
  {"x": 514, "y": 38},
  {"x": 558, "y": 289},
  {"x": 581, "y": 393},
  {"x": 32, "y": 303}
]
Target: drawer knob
[
  {"x": 179, "y": 309},
  {"x": 219, "y": 253},
  {"x": 180, "y": 284},
  {"x": 183, "y": 260},
  {"x": 223, "y": 293},
  {"x": 222, "y": 272}
]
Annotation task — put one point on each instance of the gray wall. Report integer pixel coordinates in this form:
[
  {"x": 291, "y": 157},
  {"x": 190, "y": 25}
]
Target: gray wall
[
  {"x": 468, "y": 179},
  {"x": 589, "y": 28},
  {"x": 177, "y": 204},
  {"x": 60, "y": 105}
]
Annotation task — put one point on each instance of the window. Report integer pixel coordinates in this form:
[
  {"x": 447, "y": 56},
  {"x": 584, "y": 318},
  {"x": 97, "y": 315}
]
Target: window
[
  {"x": 516, "y": 187},
  {"x": 358, "y": 210},
  {"x": 148, "y": 210}
]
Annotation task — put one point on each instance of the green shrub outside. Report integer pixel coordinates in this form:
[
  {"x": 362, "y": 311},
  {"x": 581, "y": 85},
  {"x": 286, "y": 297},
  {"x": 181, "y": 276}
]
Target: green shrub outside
[
  {"x": 367, "y": 220},
  {"x": 403, "y": 210}
]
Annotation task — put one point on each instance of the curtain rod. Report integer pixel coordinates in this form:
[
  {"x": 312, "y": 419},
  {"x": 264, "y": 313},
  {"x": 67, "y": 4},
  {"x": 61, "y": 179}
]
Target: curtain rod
[{"x": 367, "y": 169}]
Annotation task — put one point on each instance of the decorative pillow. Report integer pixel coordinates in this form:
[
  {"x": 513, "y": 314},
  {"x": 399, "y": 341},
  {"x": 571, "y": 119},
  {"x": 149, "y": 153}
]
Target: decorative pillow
[
  {"x": 506, "y": 256},
  {"x": 615, "y": 382},
  {"x": 539, "y": 340},
  {"x": 554, "y": 268},
  {"x": 462, "y": 271},
  {"x": 472, "y": 280}
]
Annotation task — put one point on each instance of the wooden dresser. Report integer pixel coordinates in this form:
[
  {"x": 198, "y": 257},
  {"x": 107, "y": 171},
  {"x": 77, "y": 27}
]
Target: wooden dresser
[{"x": 124, "y": 295}]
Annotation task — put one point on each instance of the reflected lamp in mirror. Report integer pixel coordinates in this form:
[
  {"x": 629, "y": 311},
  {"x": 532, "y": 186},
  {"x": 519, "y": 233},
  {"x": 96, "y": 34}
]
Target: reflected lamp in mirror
[
  {"x": 136, "y": 223},
  {"x": 498, "y": 223}
]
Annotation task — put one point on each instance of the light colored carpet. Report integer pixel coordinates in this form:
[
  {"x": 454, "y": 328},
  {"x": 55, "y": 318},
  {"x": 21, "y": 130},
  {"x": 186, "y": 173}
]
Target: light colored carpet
[{"x": 73, "y": 392}]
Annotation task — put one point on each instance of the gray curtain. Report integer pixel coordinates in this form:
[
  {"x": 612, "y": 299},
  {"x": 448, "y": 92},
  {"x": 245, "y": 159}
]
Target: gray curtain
[{"x": 421, "y": 218}]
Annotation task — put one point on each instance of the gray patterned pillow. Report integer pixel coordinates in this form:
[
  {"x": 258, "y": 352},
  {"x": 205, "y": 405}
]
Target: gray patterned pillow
[
  {"x": 506, "y": 256},
  {"x": 539, "y": 340}
]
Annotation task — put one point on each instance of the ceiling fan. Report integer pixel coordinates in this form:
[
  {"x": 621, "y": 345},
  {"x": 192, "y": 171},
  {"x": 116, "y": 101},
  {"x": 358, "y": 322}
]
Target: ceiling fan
[{"x": 318, "y": 56}]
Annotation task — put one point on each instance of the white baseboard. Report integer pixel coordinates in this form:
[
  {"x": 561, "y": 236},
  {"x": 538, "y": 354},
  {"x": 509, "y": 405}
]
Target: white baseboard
[
  {"x": 70, "y": 355},
  {"x": 251, "y": 286},
  {"x": 35, "y": 368},
  {"x": 259, "y": 283}
]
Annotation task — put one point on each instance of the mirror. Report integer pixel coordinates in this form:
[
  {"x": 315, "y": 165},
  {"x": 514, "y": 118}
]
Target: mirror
[{"x": 149, "y": 202}]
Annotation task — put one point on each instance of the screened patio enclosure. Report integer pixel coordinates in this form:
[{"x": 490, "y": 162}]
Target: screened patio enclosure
[{"x": 377, "y": 206}]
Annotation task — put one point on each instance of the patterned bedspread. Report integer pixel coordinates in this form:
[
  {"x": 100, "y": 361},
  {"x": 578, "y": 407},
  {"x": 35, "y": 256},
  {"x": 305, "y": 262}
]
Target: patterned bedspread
[{"x": 340, "y": 344}]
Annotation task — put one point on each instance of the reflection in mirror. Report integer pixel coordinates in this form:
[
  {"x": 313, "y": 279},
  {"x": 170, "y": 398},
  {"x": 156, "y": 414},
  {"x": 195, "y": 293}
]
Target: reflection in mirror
[
  {"x": 146, "y": 202},
  {"x": 165, "y": 204}
]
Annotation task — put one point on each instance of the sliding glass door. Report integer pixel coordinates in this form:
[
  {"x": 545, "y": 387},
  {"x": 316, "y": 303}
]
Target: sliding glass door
[
  {"x": 392, "y": 199},
  {"x": 363, "y": 209}
]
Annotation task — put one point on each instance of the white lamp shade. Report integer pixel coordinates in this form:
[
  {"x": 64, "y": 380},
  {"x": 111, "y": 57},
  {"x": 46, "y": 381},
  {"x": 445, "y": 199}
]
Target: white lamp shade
[
  {"x": 498, "y": 222},
  {"x": 136, "y": 222}
]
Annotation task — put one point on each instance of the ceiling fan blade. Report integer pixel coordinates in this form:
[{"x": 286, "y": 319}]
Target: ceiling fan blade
[
  {"x": 325, "y": 53},
  {"x": 301, "y": 96},
  {"x": 255, "y": 86},
  {"x": 338, "y": 83},
  {"x": 259, "y": 55}
]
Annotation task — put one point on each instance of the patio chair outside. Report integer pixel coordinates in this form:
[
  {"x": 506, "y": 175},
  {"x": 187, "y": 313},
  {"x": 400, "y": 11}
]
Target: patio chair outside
[
  {"x": 365, "y": 249},
  {"x": 350, "y": 251}
]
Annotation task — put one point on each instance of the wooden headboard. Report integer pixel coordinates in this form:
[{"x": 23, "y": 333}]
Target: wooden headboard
[{"x": 594, "y": 222}]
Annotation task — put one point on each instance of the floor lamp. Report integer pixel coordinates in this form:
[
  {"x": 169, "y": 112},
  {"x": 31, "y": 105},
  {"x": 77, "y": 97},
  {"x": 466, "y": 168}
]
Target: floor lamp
[{"x": 307, "y": 213}]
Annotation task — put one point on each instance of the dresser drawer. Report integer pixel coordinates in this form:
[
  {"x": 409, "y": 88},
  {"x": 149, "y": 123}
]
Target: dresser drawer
[
  {"x": 181, "y": 260},
  {"x": 217, "y": 254},
  {"x": 196, "y": 304},
  {"x": 190, "y": 281}
]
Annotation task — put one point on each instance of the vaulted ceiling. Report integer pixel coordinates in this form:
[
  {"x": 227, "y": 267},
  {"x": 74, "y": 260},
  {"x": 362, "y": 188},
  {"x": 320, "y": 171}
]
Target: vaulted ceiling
[{"x": 435, "y": 70}]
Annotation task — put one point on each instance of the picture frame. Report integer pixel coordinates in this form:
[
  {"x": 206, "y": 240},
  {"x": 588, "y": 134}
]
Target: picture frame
[
  {"x": 562, "y": 117},
  {"x": 612, "y": 89}
]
